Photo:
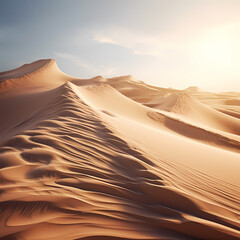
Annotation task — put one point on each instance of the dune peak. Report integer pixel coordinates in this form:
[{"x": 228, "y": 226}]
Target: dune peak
[
  {"x": 99, "y": 79},
  {"x": 42, "y": 73},
  {"x": 193, "y": 89},
  {"x": 25, "y": 69}
]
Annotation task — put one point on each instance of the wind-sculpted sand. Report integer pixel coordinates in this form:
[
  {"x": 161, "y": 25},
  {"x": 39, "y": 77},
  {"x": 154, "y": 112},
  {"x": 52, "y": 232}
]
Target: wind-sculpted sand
[{"x": 115, "y": 159}]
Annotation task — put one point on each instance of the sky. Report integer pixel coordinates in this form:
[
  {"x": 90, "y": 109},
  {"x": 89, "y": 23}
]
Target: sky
[{"x": 166, "y": 43}]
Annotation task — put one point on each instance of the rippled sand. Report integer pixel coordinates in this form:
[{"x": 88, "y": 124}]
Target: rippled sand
[{"x": 115, "y": 159}]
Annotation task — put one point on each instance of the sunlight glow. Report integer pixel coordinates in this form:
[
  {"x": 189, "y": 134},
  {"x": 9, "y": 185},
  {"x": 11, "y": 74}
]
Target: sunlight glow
[{"x": 218, "y": 49}]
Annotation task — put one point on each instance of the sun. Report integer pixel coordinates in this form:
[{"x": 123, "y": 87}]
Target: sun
[{"x": 217, "y": 49}]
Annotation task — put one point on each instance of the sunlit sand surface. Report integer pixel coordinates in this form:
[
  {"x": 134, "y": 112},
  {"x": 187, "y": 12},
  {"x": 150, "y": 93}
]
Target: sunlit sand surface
[{"x": 115, "y": 159}]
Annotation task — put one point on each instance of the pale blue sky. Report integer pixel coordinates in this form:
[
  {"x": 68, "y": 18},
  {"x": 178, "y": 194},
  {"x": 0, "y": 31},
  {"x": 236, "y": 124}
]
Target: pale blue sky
[{"x": 169, "y": 43}]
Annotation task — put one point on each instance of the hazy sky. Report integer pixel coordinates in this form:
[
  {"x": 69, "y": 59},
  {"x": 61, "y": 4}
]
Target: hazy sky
[{"x": 169, "y": 43}]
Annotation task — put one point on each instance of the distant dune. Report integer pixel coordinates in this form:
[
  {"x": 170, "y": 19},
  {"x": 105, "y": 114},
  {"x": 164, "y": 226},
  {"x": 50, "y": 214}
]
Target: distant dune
[{"x": 115, "y": 159}]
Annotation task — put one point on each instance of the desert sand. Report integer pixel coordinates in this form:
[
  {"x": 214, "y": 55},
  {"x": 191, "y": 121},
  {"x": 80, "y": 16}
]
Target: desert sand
[{"x": 115, "y": 159}]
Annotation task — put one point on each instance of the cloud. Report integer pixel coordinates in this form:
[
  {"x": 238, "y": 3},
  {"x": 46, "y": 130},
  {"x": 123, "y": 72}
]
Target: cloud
[
  {"x": 103, "y": 39},
  {"x": 74, "y": 60},
  {"x": 138, "y": 43},
  {"x": 95, "y": 70}
]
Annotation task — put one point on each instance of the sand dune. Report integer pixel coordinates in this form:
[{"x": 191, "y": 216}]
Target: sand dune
[{"x": 115, "y": 159}]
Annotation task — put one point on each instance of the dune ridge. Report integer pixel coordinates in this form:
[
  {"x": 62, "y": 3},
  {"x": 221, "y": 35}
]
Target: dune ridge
[
  {"x": 77, "y": 163},
  {"x": 42, "y": 74},
  {"x": 25, "y": 69}
]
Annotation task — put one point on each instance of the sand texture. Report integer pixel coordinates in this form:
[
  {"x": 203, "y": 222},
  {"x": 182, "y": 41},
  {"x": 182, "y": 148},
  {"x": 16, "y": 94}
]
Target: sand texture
[{"x": 115, "y": 159}]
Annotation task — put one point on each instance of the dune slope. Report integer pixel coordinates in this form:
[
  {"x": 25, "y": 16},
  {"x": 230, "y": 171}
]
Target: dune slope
[{"x": 89, "y": 159}]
